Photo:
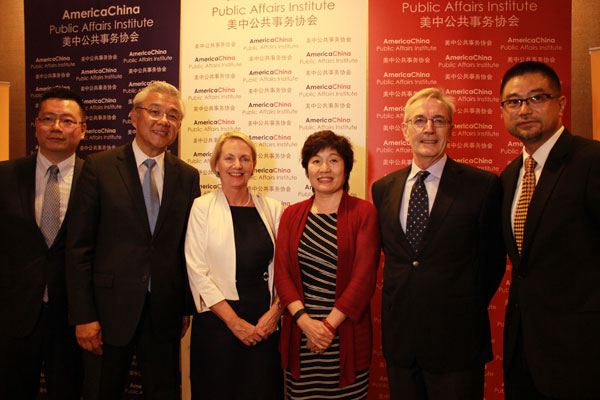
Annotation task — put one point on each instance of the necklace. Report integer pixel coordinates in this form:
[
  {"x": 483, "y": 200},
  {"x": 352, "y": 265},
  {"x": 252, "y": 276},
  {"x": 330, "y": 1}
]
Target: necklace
[
  {"x": 244, "y": 205},
  {"x": 248, "y": 202}
]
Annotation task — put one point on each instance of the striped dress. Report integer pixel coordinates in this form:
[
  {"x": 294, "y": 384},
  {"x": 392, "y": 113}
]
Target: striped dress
[{"x": 320, "y": 373}]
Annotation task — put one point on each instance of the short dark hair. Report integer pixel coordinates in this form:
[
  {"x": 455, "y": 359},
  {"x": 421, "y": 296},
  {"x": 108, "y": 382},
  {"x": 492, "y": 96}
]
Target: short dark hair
[
  {"x": 531, "y": 67},
  {"x": 63, "y": 93},
  {"x": 328, "y": 139}
]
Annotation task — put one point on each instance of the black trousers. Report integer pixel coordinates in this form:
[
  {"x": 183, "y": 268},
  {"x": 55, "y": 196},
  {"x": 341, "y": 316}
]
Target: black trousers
[
  {"x": 415, "y": 383},
  {"x": 52, "y": 348},
  {"x": 158, "y": 362}
]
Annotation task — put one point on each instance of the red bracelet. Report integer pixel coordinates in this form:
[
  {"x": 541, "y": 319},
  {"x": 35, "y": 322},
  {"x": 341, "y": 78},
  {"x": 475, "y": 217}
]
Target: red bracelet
[{"x": 328, "y": 326}]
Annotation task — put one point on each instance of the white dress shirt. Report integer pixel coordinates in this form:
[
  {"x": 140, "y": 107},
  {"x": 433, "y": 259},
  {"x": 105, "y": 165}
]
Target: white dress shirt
[{"x": 432, "y": 183}]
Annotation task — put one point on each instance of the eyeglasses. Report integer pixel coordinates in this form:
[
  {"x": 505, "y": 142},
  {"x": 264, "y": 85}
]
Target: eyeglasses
[
  {"x": 534, "y": 101},
  {"x": 65, "y": 122},
  {"x": 156, "y": 114},
  {"x": 438, "y": 122}
]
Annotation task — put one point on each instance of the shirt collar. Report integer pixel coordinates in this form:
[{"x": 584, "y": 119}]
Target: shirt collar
[
  {"x": 140, "y": 156},
  {"x": 541, "y": 154},
  {"x": 65, "y": 167},
  {"x": 435, "y": 170}
]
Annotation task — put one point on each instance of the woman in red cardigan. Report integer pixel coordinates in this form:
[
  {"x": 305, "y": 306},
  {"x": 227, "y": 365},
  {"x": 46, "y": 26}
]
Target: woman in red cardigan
[{"x": 326, "y": 260}]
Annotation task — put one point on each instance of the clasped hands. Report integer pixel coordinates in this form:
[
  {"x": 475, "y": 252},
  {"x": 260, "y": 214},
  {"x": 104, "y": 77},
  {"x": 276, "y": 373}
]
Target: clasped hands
[
  {"x": 250, "y": 334},
  {"x": 319, "y": 337}
]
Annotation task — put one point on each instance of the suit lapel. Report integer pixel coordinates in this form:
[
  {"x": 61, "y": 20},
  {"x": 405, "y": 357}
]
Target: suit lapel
[
  {"x": 26, "y": 179},
  {"x": 510, "y": 176},
  {"x": 76, "y": 170},
  {"x": 171, "y": 178},
  {"x": 396, "y": 190},
  {"x": 449, "y": 186},
  {"x": 129, "y": 174},
  {"x": 553, "y": 168}
]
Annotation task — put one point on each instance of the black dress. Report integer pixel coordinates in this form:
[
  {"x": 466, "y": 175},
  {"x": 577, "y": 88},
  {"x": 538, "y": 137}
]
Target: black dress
[{"x": 222, "y": 367}]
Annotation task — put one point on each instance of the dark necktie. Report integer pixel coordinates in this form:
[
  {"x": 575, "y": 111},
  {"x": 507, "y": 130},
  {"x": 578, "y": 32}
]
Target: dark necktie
[
  {"x": 418, "y": 211},
  {"x": 527, "y": 189},
  {"x": 151, "y": 194},
  {"x": 50, "y": 219}
]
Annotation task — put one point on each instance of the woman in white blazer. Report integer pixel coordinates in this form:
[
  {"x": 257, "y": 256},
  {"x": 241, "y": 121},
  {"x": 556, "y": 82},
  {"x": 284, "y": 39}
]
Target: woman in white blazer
[{"x": 229, "y": 250}]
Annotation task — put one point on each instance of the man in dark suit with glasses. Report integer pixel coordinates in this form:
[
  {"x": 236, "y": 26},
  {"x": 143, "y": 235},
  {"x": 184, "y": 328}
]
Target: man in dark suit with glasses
[
  {"x": 551, "y": 224},
  {"x": 444, "y": 259},
  {"x": 35, "y": 194}
]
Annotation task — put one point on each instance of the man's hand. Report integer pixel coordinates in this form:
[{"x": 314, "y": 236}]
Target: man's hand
[{"x": 89, "y": 337}]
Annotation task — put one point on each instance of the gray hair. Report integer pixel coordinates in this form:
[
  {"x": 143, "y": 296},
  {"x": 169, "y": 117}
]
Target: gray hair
[
  {"x": 160, "y": 87},
  {"x": 429, "y": 93}
]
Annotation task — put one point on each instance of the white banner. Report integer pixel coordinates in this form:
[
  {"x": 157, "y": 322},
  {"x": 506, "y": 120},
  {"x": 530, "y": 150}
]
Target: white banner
[{"x": 276, "y": 72}]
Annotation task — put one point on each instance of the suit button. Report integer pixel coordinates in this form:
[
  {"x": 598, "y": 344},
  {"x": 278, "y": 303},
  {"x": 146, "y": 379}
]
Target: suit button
[{"x": 415, "y": 264}]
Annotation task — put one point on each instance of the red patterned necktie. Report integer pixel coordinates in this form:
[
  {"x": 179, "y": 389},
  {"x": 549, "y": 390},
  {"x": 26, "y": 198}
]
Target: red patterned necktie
[{"x": 527, "y": 188}]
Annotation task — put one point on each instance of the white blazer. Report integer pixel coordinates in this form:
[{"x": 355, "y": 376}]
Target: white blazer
[{"x": 210, "y": 247}]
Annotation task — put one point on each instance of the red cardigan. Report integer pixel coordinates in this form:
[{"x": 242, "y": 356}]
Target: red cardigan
[{"x": 358, "y": 259}]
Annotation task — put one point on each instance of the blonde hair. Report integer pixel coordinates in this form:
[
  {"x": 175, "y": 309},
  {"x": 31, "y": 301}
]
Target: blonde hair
[{"x": 216, "y": 154}]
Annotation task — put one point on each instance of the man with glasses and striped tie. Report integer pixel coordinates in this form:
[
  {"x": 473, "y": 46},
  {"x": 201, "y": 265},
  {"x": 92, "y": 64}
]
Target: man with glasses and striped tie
[
  {"x": 551, "y": 224},
  {"x": 126, "y": 273},
  {"x": 34, "y": 195}
]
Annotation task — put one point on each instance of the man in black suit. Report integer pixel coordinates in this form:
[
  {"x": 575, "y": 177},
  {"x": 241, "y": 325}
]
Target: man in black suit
[
  {"x": 444, "y": 259},
  {"x": 34, "y": 195},
  {"x": 551, "y": 224},
  {"x": 126, "y": 274}
]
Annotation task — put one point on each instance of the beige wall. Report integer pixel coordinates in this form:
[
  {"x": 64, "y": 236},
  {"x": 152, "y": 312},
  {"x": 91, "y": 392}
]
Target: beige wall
[
  {"x": 12, "y": 70},
  {"x": 4, "y": 118},
  {"x": 586, "y": 34}
]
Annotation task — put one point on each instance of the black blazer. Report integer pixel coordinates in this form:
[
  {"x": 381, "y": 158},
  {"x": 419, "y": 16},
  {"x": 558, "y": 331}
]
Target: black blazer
[
  {"x": 554, "y": 298},
  {"x": 27, "y": 264},
  {"x": 434, "y": 304},
  {"x": 111, "y": 253}
]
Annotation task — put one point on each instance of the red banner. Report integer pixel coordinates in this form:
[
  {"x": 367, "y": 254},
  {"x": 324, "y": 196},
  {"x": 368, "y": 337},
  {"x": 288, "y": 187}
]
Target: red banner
[{"x": 463, "y": 47}]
